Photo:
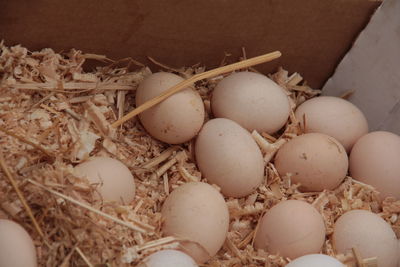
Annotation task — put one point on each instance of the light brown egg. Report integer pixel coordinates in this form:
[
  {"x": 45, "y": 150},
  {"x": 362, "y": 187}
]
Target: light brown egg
[
  {"x": 228, "y": 156},
  {"x": 398, "y": 260},
  {"x": 16, "y": 246},
  {"x": 369, "y": 234},
  {"x": 314, "y": 160},
  {"x": 196, "y": 212},
  {"x": 168, "y": 258},
  {"x": 113, "y": 179},
  {"x": 315, "y": 260},
  {"x": 375, "y": 160},
  {"x": 252, "y": 100},
  {"x": 335, "y": 117},
  {"x": 178, "y": 118},
  {"x": 292, "y": 228}
]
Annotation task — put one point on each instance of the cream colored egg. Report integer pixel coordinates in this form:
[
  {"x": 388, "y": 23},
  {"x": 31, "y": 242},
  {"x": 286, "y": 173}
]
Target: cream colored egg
[
  {"x": 168, "y": 258},
  {"x": 252, "y": 100},
  {"x": 369, "y": 234},
  {"x": 113, "y": 180},
  {"x": 314, "y": 160},
  {"x": 375, "y": 160},
  {"x": 315, "y": 260},
  {"x": 292, "y": 228},
  {"x": 333, "y": 116},
  {"x": 16, "y": 246},
  {"x": 398, "y": 260},
  {"x": 228, "y": 156},
  {"x": 196, "y": 212},
  {"x": 176, "y": 119}
]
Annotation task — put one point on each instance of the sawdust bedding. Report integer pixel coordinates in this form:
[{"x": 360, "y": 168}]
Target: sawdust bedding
[{"x": 54, "y": 115}]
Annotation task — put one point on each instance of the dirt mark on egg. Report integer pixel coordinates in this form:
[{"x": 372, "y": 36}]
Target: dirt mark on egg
[{"x": 333, "y": 143}]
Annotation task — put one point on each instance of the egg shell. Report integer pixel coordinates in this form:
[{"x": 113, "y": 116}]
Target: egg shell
[
  {"x": 369, "y": 234},
  {"x": 315, "y": 260},
  {"x": 316, "y": 161},
  {"x": 398, "y": 260},
  {"x": 228, "y": 156},
  {"x": 196, "y": 212},
  {"x": 333, "y": 116},
  {"x": 178, "y": 118},
  {"x": 113, "y": 180},
  {"x": 292, "y": 228},
  {"x": 168, "y": 258},
  {"x": 252, "y": 100},
  {"x": 16, "y": 246},
  {"x": 375, "y": 160}
]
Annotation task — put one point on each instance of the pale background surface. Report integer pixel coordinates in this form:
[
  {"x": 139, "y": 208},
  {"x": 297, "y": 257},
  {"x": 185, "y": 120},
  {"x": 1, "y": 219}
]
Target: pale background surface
[{"x": 372, "y": 69}]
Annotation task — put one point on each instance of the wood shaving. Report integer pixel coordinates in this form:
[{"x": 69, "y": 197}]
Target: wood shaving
[{"x": 54, "y": 115}]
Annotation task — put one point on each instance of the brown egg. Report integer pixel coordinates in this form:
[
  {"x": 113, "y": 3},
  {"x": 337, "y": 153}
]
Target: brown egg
[
  {"x": 335, "y": 117},
  {"x": 369, "y": 234},
  {"x": 196, "y": 212},
  {"x": 314, "y": 160},
  {"x": 252, "y": 100},
  {"x": 315, "y": 260},
  {"x": 398, "y": 260},
  {"x": 375, "y": 160},
  {"x": 168, "y": 258},
  {"x": 16, "y": 246},
  {"x": 176, "y": 119},
  {"x": 228, "y": 156},
  {"x": 292, "y": 228},
  {"x": 113, "y": 179}
]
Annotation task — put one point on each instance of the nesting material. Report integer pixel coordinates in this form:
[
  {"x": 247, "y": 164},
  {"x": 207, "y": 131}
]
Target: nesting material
[{"x": 53, "y": 115}]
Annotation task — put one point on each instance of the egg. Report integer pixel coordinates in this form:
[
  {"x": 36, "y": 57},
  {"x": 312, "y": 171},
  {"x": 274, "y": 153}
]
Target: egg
[
  {"x": 369, "y": 234},
  {"x": 315, "y": 260},
  {"x": 398, "y": 261},
  {"x": 292, "y": 228},
  {"x": 113, "y": 180},
  {"x": 252, "y": 100},
  {"x": 178, "y": 118},
  {"x": 197, "y": 214},
  {"x": 16, "y": 246},
  {"x": 316, "y": 161},
  {"x": 168, "y": 258},
  {"x": 228, "y": 156},
  {"x": 333, "y": 116},
  {"x": 375, "y": 160}
]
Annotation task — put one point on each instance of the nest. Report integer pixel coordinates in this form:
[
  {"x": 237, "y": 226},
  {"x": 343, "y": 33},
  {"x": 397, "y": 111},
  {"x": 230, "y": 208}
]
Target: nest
[{"x": 54, "y": 115}]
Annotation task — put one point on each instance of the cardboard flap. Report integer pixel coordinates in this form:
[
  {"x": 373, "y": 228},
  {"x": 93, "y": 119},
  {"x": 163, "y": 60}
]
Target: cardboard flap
[
  {"x": 312, "y": 34},
  {"x": 371, "y": 68}
]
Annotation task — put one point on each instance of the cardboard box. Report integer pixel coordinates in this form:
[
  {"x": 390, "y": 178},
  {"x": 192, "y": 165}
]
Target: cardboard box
[
  {"x": 312, "y": 35},
  {"x": 371, "y": 70}
]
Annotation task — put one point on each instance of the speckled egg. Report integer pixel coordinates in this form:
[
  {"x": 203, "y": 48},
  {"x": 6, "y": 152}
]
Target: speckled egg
[{"x": 316, "y": 161}]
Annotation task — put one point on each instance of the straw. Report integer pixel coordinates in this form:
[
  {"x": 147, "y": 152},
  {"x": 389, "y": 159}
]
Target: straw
[
  {"x": 116, "y": 220},
  {"x": 20, "y": 195},
  {"x": 195, "y": 78}
]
